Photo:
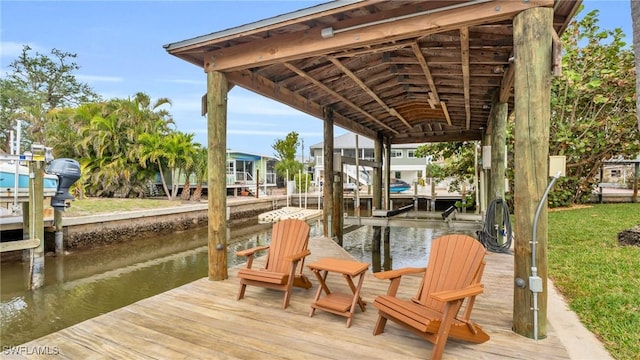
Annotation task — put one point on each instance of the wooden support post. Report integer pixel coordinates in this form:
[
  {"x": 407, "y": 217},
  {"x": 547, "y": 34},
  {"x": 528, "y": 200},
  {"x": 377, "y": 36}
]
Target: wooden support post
[
  {"x": 636, "y": 179},
  {"x": 376, "y": 242},
  {"x": 377, "y": 173},
  {"x": 217, "y": 89},
  {"x": 258, "y": 184},
  {"x": 532, "y": 49},
  {"x": 387, "y": 263},
  {"x": 485, "y": 182},
  {"x": 376, "y": 200},
  {"x": 600, "y": 195},
  {"x": 387, "y": 175},
  {"x": 36, "y": 223},
  {"x": 26, "y": 232},
  {"x": 337, "y": 220},
  {"x": 498, "y": 144},
  {"x": 327, "y": 185},
  {"x": 59, "y": 232}
]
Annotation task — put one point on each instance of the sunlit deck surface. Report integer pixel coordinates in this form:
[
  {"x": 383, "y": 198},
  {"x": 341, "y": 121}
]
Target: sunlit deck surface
[{"x": 203, "y": 320}]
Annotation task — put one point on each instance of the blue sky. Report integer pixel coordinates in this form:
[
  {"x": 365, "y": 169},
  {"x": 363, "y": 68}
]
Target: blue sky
[{"x": 119, "y": 48}]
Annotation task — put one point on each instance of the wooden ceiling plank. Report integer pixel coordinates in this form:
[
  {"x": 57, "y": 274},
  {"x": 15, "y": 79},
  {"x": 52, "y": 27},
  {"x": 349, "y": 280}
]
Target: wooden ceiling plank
[
  {"x": 308, "y": 43},
  {"x": 322, "y": 86},
  {"x": 371, "y": 93},
  {"x": 464, "y": 54},
  {"x": 266, "y": 87}
]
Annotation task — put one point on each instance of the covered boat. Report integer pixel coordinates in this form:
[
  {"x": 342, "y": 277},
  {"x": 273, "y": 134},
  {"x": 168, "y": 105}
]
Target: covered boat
[
  {"x": 398, "y": 186},
  {"x": 8, "y": 182}
]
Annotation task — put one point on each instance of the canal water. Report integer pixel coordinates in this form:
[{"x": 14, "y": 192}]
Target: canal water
[{"x": 85, "y": 284}]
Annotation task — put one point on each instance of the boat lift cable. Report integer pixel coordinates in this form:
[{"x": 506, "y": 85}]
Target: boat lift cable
[{"x": 488, "y": 236}]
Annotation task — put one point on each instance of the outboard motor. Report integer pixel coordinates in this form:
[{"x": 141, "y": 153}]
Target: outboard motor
[{"x": 68, "y": 172}]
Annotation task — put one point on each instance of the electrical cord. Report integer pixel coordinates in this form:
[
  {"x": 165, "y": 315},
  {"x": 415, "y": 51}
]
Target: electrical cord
[{"x": 488, "y": 236}]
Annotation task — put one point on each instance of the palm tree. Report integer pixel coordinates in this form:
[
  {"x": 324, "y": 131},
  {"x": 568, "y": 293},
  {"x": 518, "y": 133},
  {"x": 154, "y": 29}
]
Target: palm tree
[
  {"x": 179, "y": 149},
  {"x": 200, "y": 160},
  {"x": 152, "y": 151}
]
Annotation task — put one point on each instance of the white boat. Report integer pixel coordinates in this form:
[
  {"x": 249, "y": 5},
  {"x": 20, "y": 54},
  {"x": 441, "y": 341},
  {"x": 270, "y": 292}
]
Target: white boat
[{"x": 8, "y": 182}]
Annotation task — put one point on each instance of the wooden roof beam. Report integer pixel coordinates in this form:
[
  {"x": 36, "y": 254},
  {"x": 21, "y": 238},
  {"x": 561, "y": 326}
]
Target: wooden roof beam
[
  {"x": 298, "y": 45},
  {"x": 374, "y": 49},
  {"x": 507, "y": 83},
  {"x": 427, "y": 74},
  {"x": 368, "y": 90},
  {"x": 445, "y": 110},
  {"x": 346, "y": 101},
  {"x": 464, "y": 54},
  {"x": 268, "y": 88}
]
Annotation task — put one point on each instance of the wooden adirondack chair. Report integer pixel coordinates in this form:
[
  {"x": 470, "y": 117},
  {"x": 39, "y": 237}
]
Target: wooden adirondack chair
[
  {"x": 454, "y": 271},
  {"x": 285, "y": 260}
]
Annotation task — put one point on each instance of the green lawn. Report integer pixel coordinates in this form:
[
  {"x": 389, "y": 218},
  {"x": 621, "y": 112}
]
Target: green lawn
[
  {"x": 93, "y": 206},
  {"x": 599, "y": 278}
]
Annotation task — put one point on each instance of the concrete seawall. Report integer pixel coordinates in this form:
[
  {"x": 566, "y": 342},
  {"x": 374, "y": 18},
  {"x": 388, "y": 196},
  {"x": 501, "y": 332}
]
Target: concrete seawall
[{"x": 103, "y": 229}]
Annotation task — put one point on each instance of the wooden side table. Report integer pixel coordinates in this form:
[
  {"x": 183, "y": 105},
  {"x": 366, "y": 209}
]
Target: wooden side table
[{"x": 336, "y": 302}]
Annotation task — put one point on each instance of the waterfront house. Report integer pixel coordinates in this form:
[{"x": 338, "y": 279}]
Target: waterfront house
[
  {"x": 247, "y": 172},
  {"x": 404, "y": 164}
]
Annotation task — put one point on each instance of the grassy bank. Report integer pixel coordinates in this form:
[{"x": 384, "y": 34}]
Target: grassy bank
[
  {"x": 599, "y": 278},
  {"x": 93, "y": 206}
]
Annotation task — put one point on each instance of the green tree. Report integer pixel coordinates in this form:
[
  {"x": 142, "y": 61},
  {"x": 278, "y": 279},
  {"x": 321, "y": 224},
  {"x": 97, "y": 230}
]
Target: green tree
[
  {"x": 180, "y": 150},
  {"x": 152, "y": 155},
  {"x": 111, "y": 141},
  {"x": 200, "y": 160},
  {"x": 10, "y": 111},
  {"x": 593, "y": 109},
  {"x": 37, "y": 84},
  {"x": 286, "y": 154},
  {"x": 458, "y": 164},
  {"x": 171, "y": 154}
]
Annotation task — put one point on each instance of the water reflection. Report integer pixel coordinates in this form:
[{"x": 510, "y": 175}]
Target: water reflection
[{"x": 86, "y": 284}]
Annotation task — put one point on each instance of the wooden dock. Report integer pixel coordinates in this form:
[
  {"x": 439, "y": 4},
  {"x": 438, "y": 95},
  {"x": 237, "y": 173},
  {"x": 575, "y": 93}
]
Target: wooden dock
[
  {"x": 203, "y": 320},
  {"x": 288, "y": 212}
]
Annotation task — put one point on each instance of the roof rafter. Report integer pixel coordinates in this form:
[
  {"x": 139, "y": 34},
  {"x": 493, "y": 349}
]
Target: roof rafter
[
  {"x": 336, "y": 95},
  {"x": 464, "y": 54},
  {"x": 268, "y": 88},
  {"x": 368, "y": 90},
  {"x": 427, "y": 74}
]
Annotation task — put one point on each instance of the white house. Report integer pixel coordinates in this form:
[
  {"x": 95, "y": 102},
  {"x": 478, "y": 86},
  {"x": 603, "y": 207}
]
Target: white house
[{"x": 404, "y": 164}]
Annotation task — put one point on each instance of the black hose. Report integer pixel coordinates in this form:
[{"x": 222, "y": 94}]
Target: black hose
[{"x": 488, "y": 236}]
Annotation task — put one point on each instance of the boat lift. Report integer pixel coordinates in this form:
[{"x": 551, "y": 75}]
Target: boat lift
[{"x": 67, "y": 172}]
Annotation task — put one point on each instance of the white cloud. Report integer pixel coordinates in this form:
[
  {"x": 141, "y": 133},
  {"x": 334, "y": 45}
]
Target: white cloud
[
  {"x": 270, "y": 133},
  {"x": 189, "y": 104},
  {"x": 13, "y": 49},
  {"x": 253, "y": 123},
  {"x": 99, "y": 78},
  {"x": 258, "y": 105},
  {"x": 185, "y": 81}
]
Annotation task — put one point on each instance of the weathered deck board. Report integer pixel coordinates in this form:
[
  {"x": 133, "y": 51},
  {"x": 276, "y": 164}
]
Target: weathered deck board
[{"x": 203, "y": 320}]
